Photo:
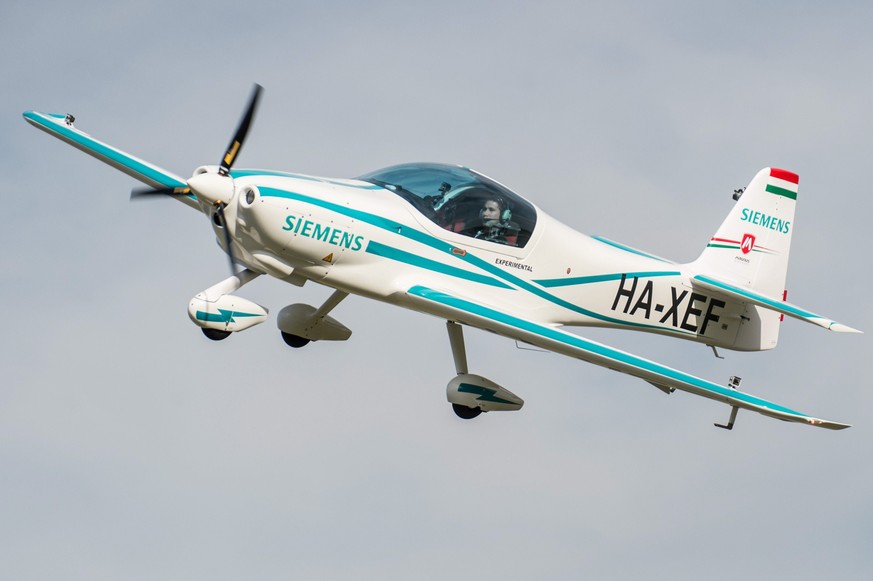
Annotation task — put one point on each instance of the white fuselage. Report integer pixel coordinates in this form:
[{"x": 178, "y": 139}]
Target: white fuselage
[{"x": 364, "y": 239}]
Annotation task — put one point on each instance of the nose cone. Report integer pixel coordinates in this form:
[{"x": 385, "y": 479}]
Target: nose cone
[{"x": 211, "y": 187}]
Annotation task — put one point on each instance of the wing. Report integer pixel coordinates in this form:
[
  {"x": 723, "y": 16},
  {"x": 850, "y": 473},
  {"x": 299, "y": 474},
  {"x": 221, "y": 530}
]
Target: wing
[
  {"x": 749, "y": 296},
  {"x": 61, "y": 126},
  {"x": 554, "y": 339}
]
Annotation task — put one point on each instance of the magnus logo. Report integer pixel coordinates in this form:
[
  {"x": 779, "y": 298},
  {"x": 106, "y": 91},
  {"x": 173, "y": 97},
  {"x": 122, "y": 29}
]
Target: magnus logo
[
  {"x": 765, "y": 220},
  {"x": 747, "y": 244},
  {"x": 323, "y": 233}
]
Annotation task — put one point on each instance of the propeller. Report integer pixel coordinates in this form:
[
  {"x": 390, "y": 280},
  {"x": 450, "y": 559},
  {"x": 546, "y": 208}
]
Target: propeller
[
  {"x": 241, "y": 131},
  {"x": 140, "y": 193},
  {"x": 214, "y": 188}
]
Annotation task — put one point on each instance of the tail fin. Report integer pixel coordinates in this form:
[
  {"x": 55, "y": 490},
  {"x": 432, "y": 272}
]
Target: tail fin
[
  {"x": 751, "y": 247},
  {"x": 751, "y": 250}
]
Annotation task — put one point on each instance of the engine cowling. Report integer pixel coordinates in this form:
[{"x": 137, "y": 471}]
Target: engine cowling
[
  {"x": 227, "y": 313},
  {"x": 475, "y": 391}
]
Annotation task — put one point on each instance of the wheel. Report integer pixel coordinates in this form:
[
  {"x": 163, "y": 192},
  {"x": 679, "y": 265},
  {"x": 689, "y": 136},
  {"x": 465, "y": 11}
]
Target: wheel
[
  {"x": 464, "y": 412},
  {"x": 295, "y": 341},
  {"x": 215, "y": 334}
]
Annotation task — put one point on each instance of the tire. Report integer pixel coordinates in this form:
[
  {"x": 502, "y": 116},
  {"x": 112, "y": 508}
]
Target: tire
[
  {"x": 464, "y": 412},
  {"x": 295, "y": 341},
  {"x": 215, "y": 334}
]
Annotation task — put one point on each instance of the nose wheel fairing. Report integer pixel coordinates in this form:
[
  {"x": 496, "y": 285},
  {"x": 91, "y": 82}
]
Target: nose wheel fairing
[{"x": 217, "y": 312}]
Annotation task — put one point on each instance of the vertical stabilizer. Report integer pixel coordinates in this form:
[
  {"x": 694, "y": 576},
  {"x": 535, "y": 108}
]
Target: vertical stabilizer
[{"x": 751, "y": 250}]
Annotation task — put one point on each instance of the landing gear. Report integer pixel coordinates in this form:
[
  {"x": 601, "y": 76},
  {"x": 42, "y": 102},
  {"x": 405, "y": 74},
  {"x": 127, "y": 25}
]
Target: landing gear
[
  {"x": 295, "y": 341},
  {"x": 300, "y": 324},
  {"x": 464, "y": 412},
  {"x": 469, "y": 394},
  {"x": 219, "y": 313},
  {"x": 215, "y": 334}
]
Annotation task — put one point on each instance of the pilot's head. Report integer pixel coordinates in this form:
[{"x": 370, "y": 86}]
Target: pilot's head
[{"x": 492, "y": 209}]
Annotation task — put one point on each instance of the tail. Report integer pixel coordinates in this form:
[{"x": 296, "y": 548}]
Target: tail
[
  {"x": 752, "y": 245},
  {"x": 746, "y": 261}
]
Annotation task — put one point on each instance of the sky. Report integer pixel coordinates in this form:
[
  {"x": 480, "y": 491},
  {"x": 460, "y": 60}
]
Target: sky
[{"x": 134, "y": 448}]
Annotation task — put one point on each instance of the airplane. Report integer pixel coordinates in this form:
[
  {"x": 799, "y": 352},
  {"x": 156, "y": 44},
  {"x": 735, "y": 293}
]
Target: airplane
[{"x": 450, "y": 242}]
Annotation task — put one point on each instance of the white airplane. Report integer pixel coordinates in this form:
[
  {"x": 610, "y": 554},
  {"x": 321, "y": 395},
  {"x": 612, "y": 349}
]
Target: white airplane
[{"x": 448, "y": 241}]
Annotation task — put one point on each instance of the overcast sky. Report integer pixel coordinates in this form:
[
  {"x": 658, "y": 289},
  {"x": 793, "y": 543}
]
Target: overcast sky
[{"x": 131, "y": 447}]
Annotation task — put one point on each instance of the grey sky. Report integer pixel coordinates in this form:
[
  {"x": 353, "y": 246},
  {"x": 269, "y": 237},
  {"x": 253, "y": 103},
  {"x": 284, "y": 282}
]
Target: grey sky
[{"x": 133, "y": 448}]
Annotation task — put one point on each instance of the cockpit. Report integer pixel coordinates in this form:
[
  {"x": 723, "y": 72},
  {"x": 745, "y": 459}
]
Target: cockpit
[{"x": 460, "y": 200}]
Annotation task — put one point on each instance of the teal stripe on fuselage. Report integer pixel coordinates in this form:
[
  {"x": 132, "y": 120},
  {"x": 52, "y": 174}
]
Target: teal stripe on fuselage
[
  {"x": 598, "y": 349},
  {"x": 579, "y": 280},
  {"x": 442, "y": 246},
  {"x": 379, "y": 249}
]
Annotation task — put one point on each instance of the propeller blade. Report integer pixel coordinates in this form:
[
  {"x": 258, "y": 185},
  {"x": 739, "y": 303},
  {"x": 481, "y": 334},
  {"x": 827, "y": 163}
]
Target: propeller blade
[
  {"x": 138, "y": 193},
  {"x": 241, "y": 131},
  {"x": 219, "y": 213}
]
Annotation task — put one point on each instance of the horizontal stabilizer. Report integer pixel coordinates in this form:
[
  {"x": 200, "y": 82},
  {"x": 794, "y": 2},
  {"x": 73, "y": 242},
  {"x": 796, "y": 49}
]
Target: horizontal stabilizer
[
  {"x": 749, "y": 296},
  {"x": 454, "y": 308},
  {"x": 61, "y": 126}
]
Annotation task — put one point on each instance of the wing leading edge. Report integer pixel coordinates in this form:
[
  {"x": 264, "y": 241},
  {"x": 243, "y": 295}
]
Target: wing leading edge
[{"x": 454, "y": 308}]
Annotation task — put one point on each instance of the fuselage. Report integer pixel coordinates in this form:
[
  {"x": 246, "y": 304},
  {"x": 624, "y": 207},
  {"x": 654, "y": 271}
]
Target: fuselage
[{"x": 364, "y": 237}]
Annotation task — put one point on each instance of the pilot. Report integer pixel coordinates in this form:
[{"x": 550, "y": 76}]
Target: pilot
[{"x": 494, "y": 223}]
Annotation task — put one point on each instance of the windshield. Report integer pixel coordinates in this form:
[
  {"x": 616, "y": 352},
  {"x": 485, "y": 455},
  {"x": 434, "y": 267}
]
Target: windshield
[{"x": 460, "y": 200}]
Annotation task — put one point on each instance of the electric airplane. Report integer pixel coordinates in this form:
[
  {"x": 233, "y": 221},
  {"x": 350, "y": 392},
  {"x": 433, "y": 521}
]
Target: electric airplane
[{"x": 450, "y": 242}]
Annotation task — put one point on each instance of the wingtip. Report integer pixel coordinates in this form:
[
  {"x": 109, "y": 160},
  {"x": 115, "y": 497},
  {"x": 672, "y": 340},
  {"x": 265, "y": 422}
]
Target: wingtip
[
  {"x": 36, "y": 114},
  {"x": 45, "y": 120},
  {"x": 820, "y": 423},
  {"x": 840, "y": 328},
  {"x": 800, "y": 418},
  {"x": 830, "y": 425}
]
